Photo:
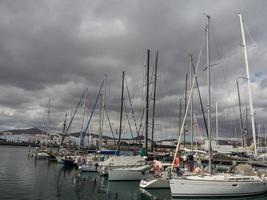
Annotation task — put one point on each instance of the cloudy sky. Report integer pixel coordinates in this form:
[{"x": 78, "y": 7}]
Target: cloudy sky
[{"x": 55, "y": 49}]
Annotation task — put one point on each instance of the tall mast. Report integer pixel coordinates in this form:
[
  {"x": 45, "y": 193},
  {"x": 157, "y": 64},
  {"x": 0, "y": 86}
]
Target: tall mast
[
  {"x": 64, "y": 124},
  {"x": 154, "y": 100},
  {"x": 191, "y": 109},
  {"x": 209, "y": 100},
  {"x": 72, "y": 117},
  {"x": 240, "y": 114},
  {"x": 249, "y": 86},
  {"x": 217, "y": 123},
  {"x": 200, "y": 99},
  {"x": 48, "y": 122},
  {"x": 265, "y": 144},
  {"x": 187, "y": 106},
  {"x": 100, "y": 123},
  {"x": 147, "y": 101},
  {"x": 122, "y": 99},
  {"x": 185, "y": 100},
  {"x": 84, "y": 111},
  {"x": 101, "y": 116},
  {"x": 180, "y": 115}
]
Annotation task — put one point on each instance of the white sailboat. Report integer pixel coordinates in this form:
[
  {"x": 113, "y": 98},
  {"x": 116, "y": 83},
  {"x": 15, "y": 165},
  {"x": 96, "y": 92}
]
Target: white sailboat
[
  {"x": 120, "y": 162},
  {"x": 128, "y": 173},
  {"x": 128, "y": 168},
  {"x": 156, "y": 182},
  {"x": 218, "y": 185},
  {"x": 226, "y": 184}
]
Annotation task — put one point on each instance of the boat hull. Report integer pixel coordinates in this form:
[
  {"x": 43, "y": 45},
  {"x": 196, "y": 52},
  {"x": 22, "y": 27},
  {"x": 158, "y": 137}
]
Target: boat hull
[
  {"x": 42, "y": 155},
  {"x": 125, "y": 175},
  {"x": 207, "y": 188},
  {"x": 67, "y": 162},
  {"x": 59, "y": 159},
  {"x": 154, "y": 183},
  {"x": 88, "y": 168}
]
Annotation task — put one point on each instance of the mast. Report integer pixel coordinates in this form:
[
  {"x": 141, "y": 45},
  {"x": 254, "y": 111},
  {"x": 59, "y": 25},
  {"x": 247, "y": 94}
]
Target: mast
[
  {"x": 185, "y": 100},
  {"x": 101, "y": 116},
  {"x": 209, "y": 100},
  {"x": 217, "y": 124},
  {"x": 122, "y": 99},
  {"x": 187, "y": 106},
  {"x": 265, "y": 144},
  {"x": 84, "y": 110},
  {"x": 91, "y": 115},
  {"x": 240, "y": 114},
  {"x": 154, "y": 100},
  {"x": 246, "y": 119},
  {"x": 147, "y": 102},
  {"x": 200, "y": 99},
  {"x": 100, "y": 124},
  {"x": 191, "y": 109},
  {"x": 72, "y": 117},
  {"x": 64, "y": 124},
  {"x": 180, "y": 115},
  {"x": 249, "y": 86},
  {"x": 48, "y": 123}
]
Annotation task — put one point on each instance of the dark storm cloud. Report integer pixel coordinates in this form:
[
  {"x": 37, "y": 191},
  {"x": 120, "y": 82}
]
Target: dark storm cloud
[{"x": 58, "y": 48}]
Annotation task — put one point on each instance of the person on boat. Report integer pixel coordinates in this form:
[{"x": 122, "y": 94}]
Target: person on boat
[
  {"x": 190, "y": 163},
  {"x": 197, "y": 171},
  {"x": 157, "y": 168},
  {"x": 177, "y": 165}
]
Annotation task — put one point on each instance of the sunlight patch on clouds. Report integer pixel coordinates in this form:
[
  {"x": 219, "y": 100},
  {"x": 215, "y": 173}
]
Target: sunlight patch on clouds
[
  {"x": 101, "y": 28},
  {"x": 7, "y": 112},
  {"x": 35, "y": 112}
]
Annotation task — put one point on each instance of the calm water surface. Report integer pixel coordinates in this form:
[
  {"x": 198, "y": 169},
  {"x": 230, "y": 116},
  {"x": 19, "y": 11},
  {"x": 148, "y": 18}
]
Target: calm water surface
[{"x": 26, "y": 178}]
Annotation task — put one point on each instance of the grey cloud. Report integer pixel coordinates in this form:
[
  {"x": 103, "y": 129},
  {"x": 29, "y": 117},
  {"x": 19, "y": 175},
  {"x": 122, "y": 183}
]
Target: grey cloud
[{"x": 57, "y": 49}]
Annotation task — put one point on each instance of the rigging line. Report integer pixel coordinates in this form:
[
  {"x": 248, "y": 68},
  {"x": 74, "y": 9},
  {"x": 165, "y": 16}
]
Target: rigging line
[
  {"x": 188, "y": 103},
  {"x": 143, "y": 112},
  {"x": 129, "y": 123},
  {"x": 218, "y": 53},
  {"x": 96, "y": 100},
  {"x": 254, "y": 44},
  {"x": 110, "y": 125},
  {"x": 140, "y": 125},
  {"x": 84, "y": 111},
  {"x": 133, "y": 103},
  {"x": 249, "y": 34},
  {"x": 132, "y": 110},
  {"x": 200, "y": 99},
  {"x": 142, "y": 108}
]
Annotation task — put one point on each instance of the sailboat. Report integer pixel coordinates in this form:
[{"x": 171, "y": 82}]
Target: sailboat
[
  {"x": 43, "y": 152},
  {"x": 224, "y": 184},
  {"x": 133, "y": 167},
  {"x": 89, "y": 163}
]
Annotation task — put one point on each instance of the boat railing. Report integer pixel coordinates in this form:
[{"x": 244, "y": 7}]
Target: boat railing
[{"x": 242, "y": 179}]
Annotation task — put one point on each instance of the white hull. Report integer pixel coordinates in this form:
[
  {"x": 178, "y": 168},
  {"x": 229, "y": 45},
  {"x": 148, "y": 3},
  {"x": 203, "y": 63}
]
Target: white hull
[
  {"x": 42, "y": 155},
  {"x": 208, "y": 186},
  {"x": 88, "y": 168},
  {"x": 116, "y": 162},
  {"x": 127, "y": 174},
  {"x": 150, "y": 183},
  {"x": 59, "y": 159},
  {"x": 104, "y": 170}
]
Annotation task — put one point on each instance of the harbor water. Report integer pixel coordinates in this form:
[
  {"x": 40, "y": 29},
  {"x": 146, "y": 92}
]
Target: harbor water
[{"x": 23, "y": 177}]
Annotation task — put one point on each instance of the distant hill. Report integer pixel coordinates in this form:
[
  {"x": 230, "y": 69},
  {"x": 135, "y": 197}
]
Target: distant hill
[
  {"x": 34, "y": 130},
  {"x": 77, "y": 134},
  {"x": 29, "y": 131}
]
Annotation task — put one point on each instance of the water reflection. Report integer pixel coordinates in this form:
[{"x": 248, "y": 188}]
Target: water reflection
[
  {"x": 23, "y": 177},
  {"x": 156, "y": 194},
  {"x": 257, "y": 197}
]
